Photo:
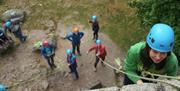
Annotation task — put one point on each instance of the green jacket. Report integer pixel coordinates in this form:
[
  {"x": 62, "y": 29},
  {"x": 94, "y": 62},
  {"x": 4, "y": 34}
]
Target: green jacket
[{"x": 133, "y": 63}]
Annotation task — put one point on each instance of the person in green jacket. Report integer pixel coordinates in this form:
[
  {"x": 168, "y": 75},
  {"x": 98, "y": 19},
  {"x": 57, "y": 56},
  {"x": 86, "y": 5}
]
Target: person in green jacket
[{"x": 155, "y": 56}]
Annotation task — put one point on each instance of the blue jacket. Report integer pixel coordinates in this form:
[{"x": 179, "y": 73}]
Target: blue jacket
[
  {"x": 75, "y": 39},
  {"x": 71, "y": 59},
  {"x": 47, "y": 51}
]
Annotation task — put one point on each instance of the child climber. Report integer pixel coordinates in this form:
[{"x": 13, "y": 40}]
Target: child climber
[
  {"x": 95, "y": 27},
  {"x": 100, "y": 52},
  {"x": 48, "y": 52},
  {"x": 15, "y": 29},
  {"x": 72, "y": 63},
  {"x": 75, "y": 39},
  {"x": 155, "y": 55}
]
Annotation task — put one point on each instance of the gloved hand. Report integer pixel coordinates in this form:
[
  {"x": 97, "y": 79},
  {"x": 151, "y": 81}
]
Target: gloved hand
[
  {"x": 87, "y": 52},
  {"x": 69, "y": 64},
  {"x": 97, "y": 54},
  {"x": 89, "y": 21}
]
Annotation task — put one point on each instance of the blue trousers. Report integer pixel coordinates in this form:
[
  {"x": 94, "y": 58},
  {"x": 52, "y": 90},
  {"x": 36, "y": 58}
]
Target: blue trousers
[{"x": 73, "y": 69}]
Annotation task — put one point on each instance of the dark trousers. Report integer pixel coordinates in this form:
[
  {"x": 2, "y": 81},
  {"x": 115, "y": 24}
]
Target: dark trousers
[
  {"x": 95, "y": 35},
  {"x": 128, "y": 81},
  {"x": 4, "y": 39},
  {"x": 97, "y": 60},
  {"x": 73, "y": 69},
  {"x": 2, "y": 43},
  {"x": 18, "y": 34},
  {"x": 50, "y": 61},
  {"x": 74, "y": 48}
]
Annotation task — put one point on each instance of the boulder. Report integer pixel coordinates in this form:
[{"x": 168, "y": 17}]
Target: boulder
[
  {"x": 144, "y": 87},
  {"x": 95, "y": 85},
  {"x": 106, "y": 89},
  {"x": 15, "y": 15}
]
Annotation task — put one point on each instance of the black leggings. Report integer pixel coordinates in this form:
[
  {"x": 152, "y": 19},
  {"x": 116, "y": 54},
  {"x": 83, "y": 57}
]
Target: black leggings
[
  {"x": 50, "y": 61},
  {"x": 95, "y": 35},
  {"x": 74, "y": 48},
  {"x": 97, "y": 60},
  {"x": 73, "y": 68},
  {"x": 128, "y": 81}
]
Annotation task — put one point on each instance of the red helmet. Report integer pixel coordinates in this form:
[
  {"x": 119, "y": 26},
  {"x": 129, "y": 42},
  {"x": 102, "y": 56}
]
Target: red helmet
[{"x": 45, "y": 43}]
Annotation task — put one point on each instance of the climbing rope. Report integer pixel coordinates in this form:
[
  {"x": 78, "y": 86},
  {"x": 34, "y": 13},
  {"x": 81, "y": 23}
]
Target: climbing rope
[
  {"x": 145, "y": 78},
  {"x": 117, "y": 60},
  {"x": 40, "y": 77}
]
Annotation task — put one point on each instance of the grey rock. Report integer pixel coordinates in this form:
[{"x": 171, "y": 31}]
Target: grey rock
[
  {"x": 15, "y": 15},
  {"x": 105, "y": 89},
  {"x": 95, "y": 85},
  {"x": 144, "y": 87},
  {"x": 44, "y": 84},
  {"x": 50, "y": 24}
]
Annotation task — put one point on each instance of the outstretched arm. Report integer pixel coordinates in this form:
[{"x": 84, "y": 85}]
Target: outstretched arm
[
  {"x": 81, "y": 34},
  {"x": 69, "y": 37},
  {"x": 92, "y": 48}
]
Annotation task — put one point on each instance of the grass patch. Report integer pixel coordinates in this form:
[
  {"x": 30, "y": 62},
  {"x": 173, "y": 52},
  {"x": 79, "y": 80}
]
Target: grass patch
[{"x": 115, "y": 17}]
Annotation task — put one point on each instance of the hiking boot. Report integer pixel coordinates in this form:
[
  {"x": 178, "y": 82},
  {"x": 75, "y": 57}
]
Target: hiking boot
[
  {"x": 76, "y": 78},
  {"x": 93, "y": 38},
  {"x": 70, "y": 72},
  {"x": 102, "y": 64},
  {"x": 95, "y": 69},
  {"x": 54, "y": 66},
  {"x": 24, "y": 39},
  {"x": 79, "y": 54}
]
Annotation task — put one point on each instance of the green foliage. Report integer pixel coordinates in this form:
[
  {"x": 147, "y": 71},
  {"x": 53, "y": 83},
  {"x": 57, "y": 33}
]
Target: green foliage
[
  {"x": 115, "y": 17},
  {"x": 159, "y": 11},
  {"x": 1, "y": 1},
  {"x": 124, "y": 30}
]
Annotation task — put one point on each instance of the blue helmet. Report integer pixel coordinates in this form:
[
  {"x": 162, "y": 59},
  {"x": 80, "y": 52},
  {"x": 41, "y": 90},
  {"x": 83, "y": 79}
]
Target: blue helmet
[
  {"x": 161, "y": 38},
  {"x": 2, "y": 87},
  {"x": 94, "y": 18},
  {"x": 98, "y": 42},
  {"x": 68, "y": 51},
  {"x": 8, "y": 24}
]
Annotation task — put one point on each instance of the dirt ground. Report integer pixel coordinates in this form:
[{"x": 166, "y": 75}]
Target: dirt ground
[{"x": 25, "y": 70}]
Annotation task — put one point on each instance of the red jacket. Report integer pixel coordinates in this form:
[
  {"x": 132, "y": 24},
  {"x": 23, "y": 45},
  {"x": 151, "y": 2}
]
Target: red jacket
[{"x": 101, "y": 49}]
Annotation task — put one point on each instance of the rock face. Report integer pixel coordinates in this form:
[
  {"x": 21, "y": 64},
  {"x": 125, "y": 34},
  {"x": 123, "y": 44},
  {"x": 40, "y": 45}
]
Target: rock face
[
  {"x": 144, "y": 87},
  {"x": 149, "y": 87},
  {"x": 106, "y": 89},
  {"x": 15, "y": 15}
]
